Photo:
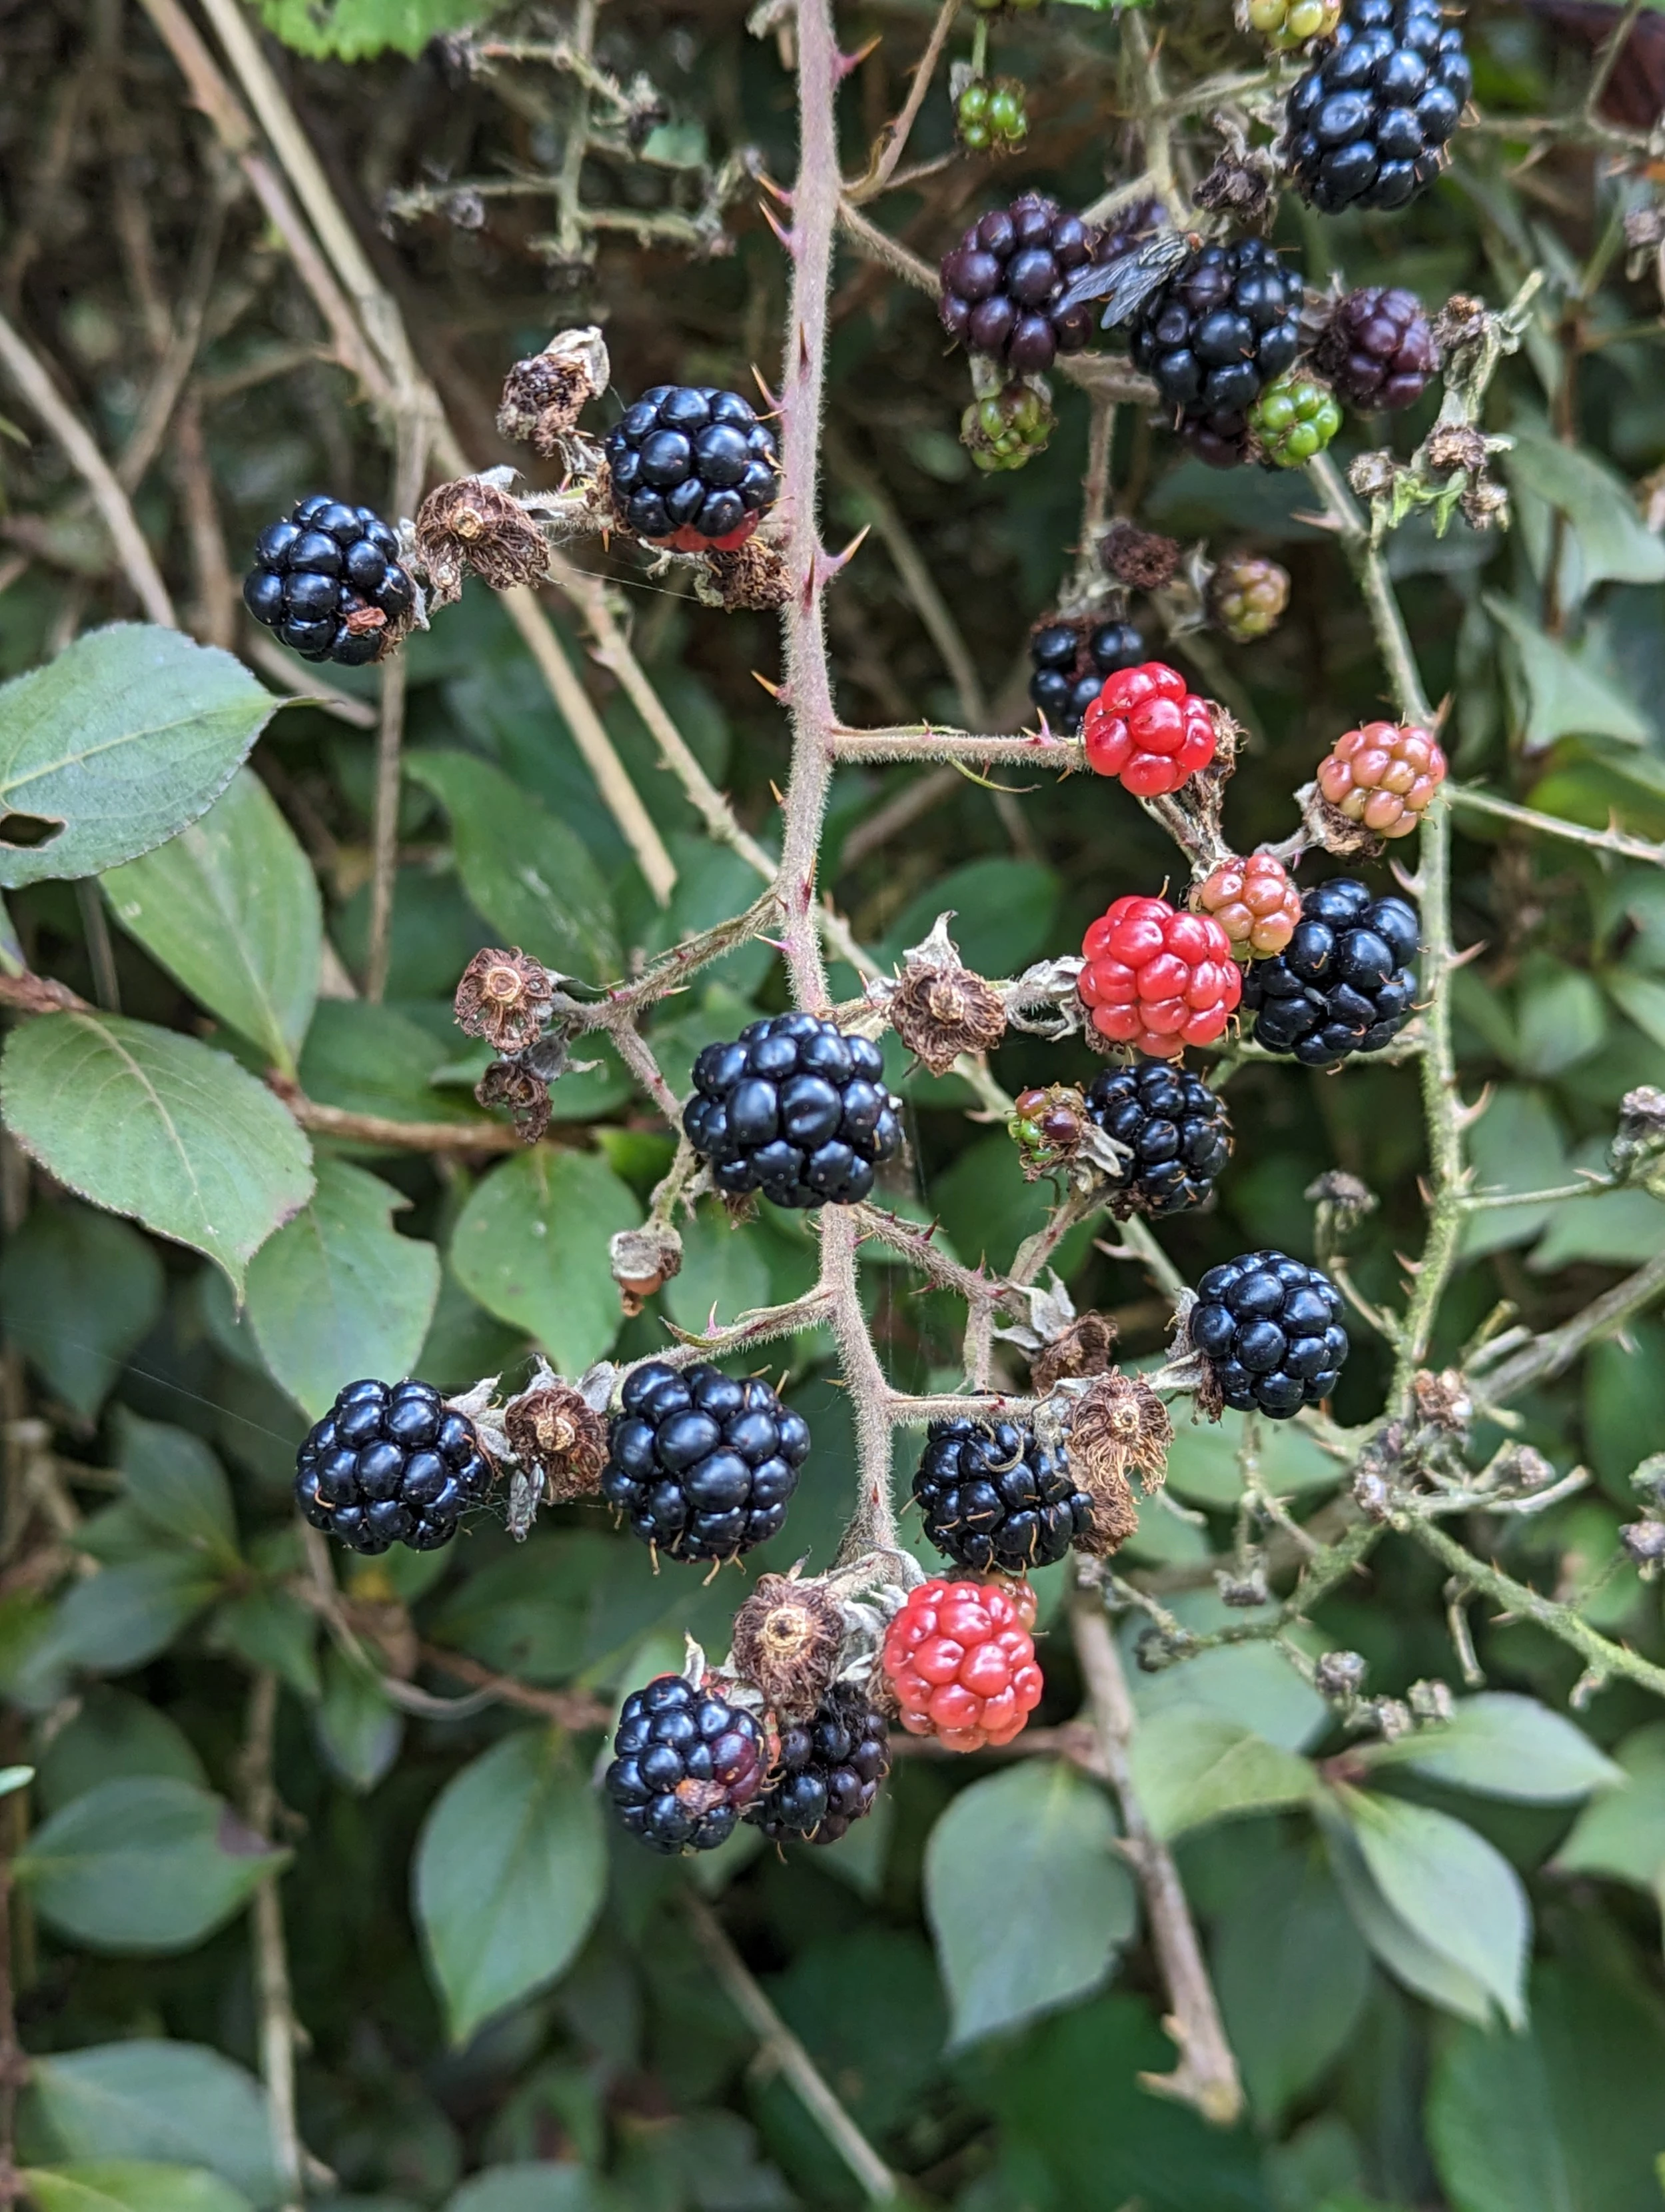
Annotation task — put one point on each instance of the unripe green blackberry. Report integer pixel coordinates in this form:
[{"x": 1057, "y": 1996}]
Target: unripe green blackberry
[
  {"x": 1286, "y": 24},
  {"x": 990, "y": 117},
  {"x": 1295, "y": 417},
  {"x": 1247, "y": 597},
  {"x": 1006, "y": 429}
]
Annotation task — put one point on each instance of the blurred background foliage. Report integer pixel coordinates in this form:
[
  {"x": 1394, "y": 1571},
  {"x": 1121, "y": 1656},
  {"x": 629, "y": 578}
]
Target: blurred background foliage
[{"x": 507, "y": 2009}]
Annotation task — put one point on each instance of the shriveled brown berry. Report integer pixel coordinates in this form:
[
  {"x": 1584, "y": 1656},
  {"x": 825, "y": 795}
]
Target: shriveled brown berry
[
  {"x": 1139, "y": 558},
  {"x": 1383, "y": 776},
  {"x": 507, "y": 1084},
  {"x": 939, "y": 1011},
  {"x": 544, "y": 394},
  {"x": 644, "y": 1260},
  {"x": 552, "y": 1430},
  {"x": 1247, "y": 597},
  {"x": 1119, "y": 1428},
  {"x": 787, "y": 1636},
  {"x": 1255, "y": 903},
  {"x": 750, "y": 577},
  {"x": 505, "y": 998},
  {"x": 1086, "y": 1347}
]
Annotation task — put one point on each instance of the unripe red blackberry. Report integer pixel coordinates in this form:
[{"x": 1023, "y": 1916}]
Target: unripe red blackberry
[
  {"x": 1148, "y": 730},
  {"x": 1157, "y": 980},
  {"x": 328, "y": 581},
  {"x": 1000, "y": 282},
  {"x": 1379, "y": 350},
  {"x": 1255, "y": 903},
  {"x": 693, "y": 467},
  {"x": 1247, "y": 597},
  {"x": 1383, "y": 776},
  {"x": 959, "y": 1657}
]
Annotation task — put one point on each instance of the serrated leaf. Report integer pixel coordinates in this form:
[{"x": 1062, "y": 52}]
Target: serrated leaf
[
  {"x": 231, "y": 908},
  {"x": 131, "y": 734},
  {"x": 1566, "y": 699},
  {"x": 79, "y": 1290},
  {"x": 177, "y": 2103},
  {"x": 128, "y": 2187},
  {"x": 531, "y": 1245},
  {"x": 338, "y": 1291},
  {"x": 143, "y": 1864},
  {"x": 145, "y": 1123},
  {"x": 1505, "y": 1746},
  {"x": 509, "y": 1875},
  {"x": 177, "y": 1487},
  {"x": 354, "y": 30},
  {"x": 1042, "y": 1838},
  {"x": 1191, "y": 1765},
  {"x": 530, "y": 876},
  {"x": 1613, "y": 541},
  {"x": 1396, "y": 1941}
]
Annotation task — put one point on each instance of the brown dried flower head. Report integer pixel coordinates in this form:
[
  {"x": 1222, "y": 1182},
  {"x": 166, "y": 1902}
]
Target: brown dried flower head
[
  {"x": 940, "y": 1012},
  {"x": 1443, "y": 1401},
  {"x": 551, "y": 1428},
  {"x": 505, "y": 998},
  {"x": 787, "y": 1640},
  {"x": 507, "y": 1084},
  {"x": 752, "y": 577},
  {"x": 1139, "y": 558},
  {"x": 544, "y": 395},
  {"x": 1456, "y": 445},
  {"x": 1119, "y": 1428},
  {"x": 1461, "y": 321},
  {"x": 1087, "y": 1347},
  {"x": 1240, "y": 184},
  {"x": 474, "y": 526},
  {"x": 644, "y": 1260}
]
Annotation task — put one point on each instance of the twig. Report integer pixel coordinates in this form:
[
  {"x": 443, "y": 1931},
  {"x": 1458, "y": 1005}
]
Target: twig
[
  {"x": 411, "y": 446},
  {"x": 894, "y": 143},
  {"x": 1549, "y": 1354},
  {"x": 781, "y": 2050},
  {"x": 271, "y": 659},
  {"x": 569, "y": 1709},
  {"x": 1040, "y": 749},
  {"x": 889, "y": 252},
  {"x": 29, "y": 375},
  {"x": 279, "y": 2031},
  {"x": 400, "y": 1136},
  {"x": 1468, "y": 800}
]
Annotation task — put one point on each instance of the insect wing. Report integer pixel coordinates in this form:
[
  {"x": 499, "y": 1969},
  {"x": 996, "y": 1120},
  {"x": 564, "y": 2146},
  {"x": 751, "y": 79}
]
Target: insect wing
[{"x": 1124, "y": 285}]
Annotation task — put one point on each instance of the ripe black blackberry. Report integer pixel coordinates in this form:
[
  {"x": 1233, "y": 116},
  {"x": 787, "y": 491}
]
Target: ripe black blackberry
[
  {"x": 1071, "y": 662},
  {"x": 1369, "y": 121},
  {"x": 1214, "y": 336},
  {"x": 328, "y": 581},
  {"x": 829, "y": 1772},
  {"x": 1377, "y": 349},
  {"x": 794, "y": 1109},
  {"x": 1001, "y": 281},
  {"x": 1270, "y": 1330},
  {"x": 702, "y": 1465},
  {"x": 992, "y": 1495},
  {"x": 390, "y": 1463},
  {"x": 1344, "y": 983},
  {"x": 693, "y": 468},
  {"x": 1178, "y": 1129},
  {"x": 685, "y": 1763}
]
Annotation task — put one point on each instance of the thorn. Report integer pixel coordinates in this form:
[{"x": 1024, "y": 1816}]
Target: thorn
[
  {"x": 780, "y": 796},
  {"x": 1411, "y": 1266},
  {"x": 804, "y": 349},
  {"x": 781, "y": 944},
  {"x": 762, "y": 384},
  {"x": 831, "y": 562},
  {"x": 1470, "y": 952},
  {"x": 846, "y": 64},
  {"x": 1467, "y": 1115},
  {"x": 774, "y": 690},
  {"x": 775, "y": 191},
  {"x": 788, "y": 238},
  {"x": 1423, "y": 1191}
]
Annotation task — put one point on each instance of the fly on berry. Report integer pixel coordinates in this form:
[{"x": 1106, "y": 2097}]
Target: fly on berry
[{"x": 1126, "y": 283}]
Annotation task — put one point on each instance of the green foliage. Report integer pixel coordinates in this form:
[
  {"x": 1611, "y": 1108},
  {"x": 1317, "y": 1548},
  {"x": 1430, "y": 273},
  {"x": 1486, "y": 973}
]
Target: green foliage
[
  {"x": 531, "y": 1245},
  {"x": 354, "y": 30},
  {"x": 155, "y": 2102}
]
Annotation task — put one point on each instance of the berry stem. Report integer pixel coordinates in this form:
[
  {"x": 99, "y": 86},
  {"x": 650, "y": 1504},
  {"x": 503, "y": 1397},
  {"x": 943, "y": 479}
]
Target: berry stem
[{"x": 280, "y": 2032}]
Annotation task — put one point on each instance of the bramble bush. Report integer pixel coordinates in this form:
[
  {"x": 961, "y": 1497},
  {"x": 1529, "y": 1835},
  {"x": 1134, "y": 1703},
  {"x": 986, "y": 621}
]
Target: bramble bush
[{"x": 834, "y": 1116}]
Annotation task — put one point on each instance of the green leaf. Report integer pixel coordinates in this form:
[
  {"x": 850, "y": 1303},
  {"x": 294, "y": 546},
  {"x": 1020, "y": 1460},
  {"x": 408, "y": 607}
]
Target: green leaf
[
  {"x": 1613, "y": 543},
  {"x": 1619, "y": 1228},
  {"x": 145, "y": 1123},
  {"x": 1293, "y": 1973},
  {"x": 1042, "y": 1838},
  {"x": 1461, "y": 1894},
  {"x": 231, "y": 908},
  {"x": 143, "y": 1864},
  {"x": 175, "y": 2102},
  {"x": 1206, "y": 1466},
  {"x": 1396, "y": 1942},
  {"x": 270, "y": 1628},
  {"x": 114, "y": 1735},
  {"x": 338, "y": 1291},
  {"x": 79, "y": 1290},
  {"x": 1505, "y": 1745},
  {"x": 531, "y": 1245},
  {"x": 510, "y": 1871},
  {"x": 1641, "y": 997},
  {"x": 530, "y": 876},
  {"x": 127, "y": 2186},
  {"x": 177, "y": 1487},
  {"x": 1191, "y": 1765},
  {"x": 1562, "y": 1019},
  {"x": 122, "y": 1616},
  {"x": 1517, "y": 1144},
  {"x": 724, "y": 1271},
  {"x": 542, "y": 2187},
  {"x": 129, "y": 734},
  {"x": 1004, "y": 914},
  {"x": 359, "y": 1730},
  {"x": 1623, "y": 1833},
  {"x": 354, "y": 30},
  {"x": 1564, "y": 2117},
  {"x": 1566, "y": 699},
  {"x": 372, "y": 1059}
]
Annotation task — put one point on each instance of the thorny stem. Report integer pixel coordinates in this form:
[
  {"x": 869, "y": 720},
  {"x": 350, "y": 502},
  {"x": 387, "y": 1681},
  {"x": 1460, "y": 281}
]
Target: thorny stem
[
  {"x": 278, "y": 2029},
  {"x": 894, "y": 144}
]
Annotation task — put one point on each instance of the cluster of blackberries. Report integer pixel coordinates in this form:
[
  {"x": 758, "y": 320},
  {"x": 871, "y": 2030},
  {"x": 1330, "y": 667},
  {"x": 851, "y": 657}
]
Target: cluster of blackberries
[
  {"x": 391, "y": 1464},
  {"x": 1344, "y": 983},
  {"x": 702, "y": 1466},
  {"x": 794, "y": 1109},
  {"x": 1270, "y": 1330},
  {"x": 1369, "y": 121},
  {"x": 1219, "y": 331},
  {"x": 990, "y": 1494},
  {"x": 685, "y": 1763},
  {"x": 328, "y": 581},
  {"x": 693, "y": 467},
  {"x": 1177, "y": 1128},
  {"x": 1071, "y": 662},
  {"x": 828, "y": 1773},
  {"x": 1001, "y": 282}
]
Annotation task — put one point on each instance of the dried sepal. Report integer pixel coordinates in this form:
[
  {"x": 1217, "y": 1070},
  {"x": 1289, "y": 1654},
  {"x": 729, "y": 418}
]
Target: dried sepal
[
  {"x": 554, "y": 1431},
  {"x": 508, "y": 1084},
  {"x": 940, "y": 1008},
  {"x": 1118, "y": 1420},
  {"x": 506, "y": 998},
  {"x": 1086, "y": 1348},
  {"x": 752, "y": 577},
  {"x": 788, "y": 1638},
  {"x": 1142, "y": 559},
  {"x": 644, "y": 1260},
  {"x": 1444, "y": 1401},
  {"x": 1327, "y": 826},
  {"x": 544, "y": 395}
]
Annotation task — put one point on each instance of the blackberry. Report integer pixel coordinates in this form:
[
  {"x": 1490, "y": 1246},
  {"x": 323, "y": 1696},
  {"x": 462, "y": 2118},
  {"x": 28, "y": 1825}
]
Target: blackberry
[
  {"x": 1177, "y": 1128},
  {"x": 1295, "y": 417},
  {"x": 1379, "y": 350},
  {"x": 990, "y": 116},
  {"x": 794, "y": 1109},
  {"x": 1008, "y": 429},
  {"x": 391, "y": 1464},
  {"x": 685, "y": 1763},
  {"x": 991, "y": 1495},
  {"x": 830, "y": 1769},
  {"x": 693, "y": 468},
  {"x": 1000, "y": 281},
  {"x": 1071, "y": 662},
  {"x": 1286, "y": 24},
  {"x": 702, "y": 1465},
  {"x": 328, "y": 581},
  {"x": 1368, "y": 123},
  {"x": 1344, "y": 983},
  {"x": 1270, "y": 1330},
  {"x": 1214, "y": 336},
  {"x": 1246, "y": 596}
]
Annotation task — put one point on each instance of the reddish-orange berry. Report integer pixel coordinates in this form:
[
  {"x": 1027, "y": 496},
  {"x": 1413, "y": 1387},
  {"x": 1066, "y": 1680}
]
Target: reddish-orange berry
[
  {"x": 1383, "y": 776},
  {"x": 1254, "y": 902},
  {"x": 1158, "y": 980},
  {"x": 962, "y": 1663},
  {"x": 1147, "y": 730}
]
